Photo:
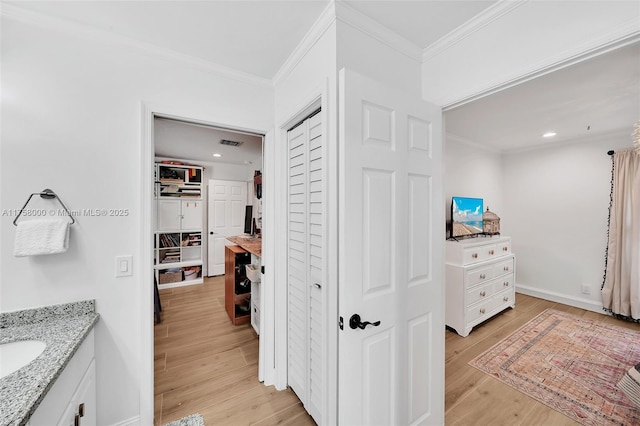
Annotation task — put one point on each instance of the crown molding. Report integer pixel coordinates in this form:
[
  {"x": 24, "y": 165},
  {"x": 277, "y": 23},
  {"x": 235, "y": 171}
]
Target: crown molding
[
  {"x": 479, "y": 21},
  {"x": 89, "y": 32},
  {"x": 625, "y": 34},
  {"x": 374, "y": 29},
  {"x": 578, "y": 140},
  {"x": 317, "y": 30}
]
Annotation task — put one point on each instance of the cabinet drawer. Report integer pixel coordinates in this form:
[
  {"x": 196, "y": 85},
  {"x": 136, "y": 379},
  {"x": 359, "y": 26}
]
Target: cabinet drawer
[
  {"x": 479, "y": 310},
  {"x": 479, "y": 275},
  {"x": 502, "y": 268},
  {"x": 504, "y": 283},
  {"x": 255, "y": 318},
  {"x": 479, "y": 253},
  {"x": 503, "y": 248},
  {"x": 480, "y": 292},
  {"x": 506, "y": 297}
]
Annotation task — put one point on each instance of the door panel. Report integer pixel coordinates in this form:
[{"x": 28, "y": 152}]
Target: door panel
[
  {"x": 305, "y": 270},
  {"x": 227, "y": 201},
  {"x": 391, "y": 237},
  {"x": 169, "y": 215},
  {"x": 191, "y": 214}
]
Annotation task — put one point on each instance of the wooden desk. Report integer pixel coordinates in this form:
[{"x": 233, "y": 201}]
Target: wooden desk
[
  {"x": 232, "y": 300},
  {"x": 251, "y": 244}
]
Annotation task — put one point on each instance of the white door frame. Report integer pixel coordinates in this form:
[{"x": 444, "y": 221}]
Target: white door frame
[{"x": 147, "y": 159}]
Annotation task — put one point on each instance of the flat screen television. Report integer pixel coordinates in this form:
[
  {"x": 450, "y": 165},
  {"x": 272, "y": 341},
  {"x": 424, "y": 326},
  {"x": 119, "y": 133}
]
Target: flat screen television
[{"x": 466, "y": 216}]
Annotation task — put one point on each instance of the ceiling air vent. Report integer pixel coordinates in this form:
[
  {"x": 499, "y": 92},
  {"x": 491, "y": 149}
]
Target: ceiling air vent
[{"x": 230, "y": 143}]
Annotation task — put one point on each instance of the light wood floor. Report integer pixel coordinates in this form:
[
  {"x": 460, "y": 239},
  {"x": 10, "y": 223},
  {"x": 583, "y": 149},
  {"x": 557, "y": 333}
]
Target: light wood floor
[
  {"x": 204, "y": 364},
  {"x": 475, "y": 398}
]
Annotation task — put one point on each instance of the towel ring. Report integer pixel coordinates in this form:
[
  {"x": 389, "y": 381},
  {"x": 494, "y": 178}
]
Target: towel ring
[{"x": 47, "y": 194}]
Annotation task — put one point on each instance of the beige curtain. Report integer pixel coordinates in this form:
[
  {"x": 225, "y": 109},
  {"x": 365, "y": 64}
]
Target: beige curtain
[{"x": 621, "y": 289}]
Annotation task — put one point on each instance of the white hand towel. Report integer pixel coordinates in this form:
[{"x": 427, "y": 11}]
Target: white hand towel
[{"x": 41, "y": 236}]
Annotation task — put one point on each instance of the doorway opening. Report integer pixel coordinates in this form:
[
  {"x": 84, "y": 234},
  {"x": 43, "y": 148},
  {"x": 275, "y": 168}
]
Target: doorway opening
[{"x": 202, "y": 361}]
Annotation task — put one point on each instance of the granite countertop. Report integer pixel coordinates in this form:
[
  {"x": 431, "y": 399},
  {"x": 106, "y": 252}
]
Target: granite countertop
[
  {"x": 63, "y": 328},
  {"x": 251, "y": 244}
]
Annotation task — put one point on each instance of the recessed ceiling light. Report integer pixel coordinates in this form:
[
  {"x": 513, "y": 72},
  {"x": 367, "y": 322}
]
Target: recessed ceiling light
[
  {"x": 549, "y": 134},
  {"x": 217, "y": 155}
]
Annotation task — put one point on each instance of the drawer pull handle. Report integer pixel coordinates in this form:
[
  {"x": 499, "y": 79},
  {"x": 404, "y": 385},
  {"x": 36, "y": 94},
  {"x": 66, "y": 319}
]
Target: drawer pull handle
[
  {"x": 506, "y": 268},
  {"x": 81, "y": 410},
  {"x": 483, "y": 293},
  {"x": 474, "y": 255},
  {"x": 76, "y": 420},
  {"x": 491, "y": 252},
  {"x": 506, "y": 299},
  {"x": 483, "y": 276},
  {"x": 505, "y": 248},
  {"x": 506, "y": 283},
  {"x": 482, "y": 310}
]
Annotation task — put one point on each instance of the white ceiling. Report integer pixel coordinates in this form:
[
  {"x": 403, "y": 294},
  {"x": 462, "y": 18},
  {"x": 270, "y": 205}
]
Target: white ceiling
[
  {"x": 256, "y": 37},
  {"x": 188, "y": 141},
  {"x": 596, "y": 97}
]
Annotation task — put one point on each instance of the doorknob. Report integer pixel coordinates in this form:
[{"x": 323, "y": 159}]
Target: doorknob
[
  {"x": 354, "y": 322},
  {"x": 211, "y": 233}
]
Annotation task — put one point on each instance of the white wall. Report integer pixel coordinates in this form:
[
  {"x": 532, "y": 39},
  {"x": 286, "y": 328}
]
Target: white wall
[
  {"x": 360, "y": 52},
  {"x": 473, "y": 171},
  {"x": 556, "y": 207},
  {"x": 71, "y": 117}
]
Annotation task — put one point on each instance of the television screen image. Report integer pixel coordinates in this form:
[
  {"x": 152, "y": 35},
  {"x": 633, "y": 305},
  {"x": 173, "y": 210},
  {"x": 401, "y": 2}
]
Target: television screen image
[{"x": 466, "y": 216}]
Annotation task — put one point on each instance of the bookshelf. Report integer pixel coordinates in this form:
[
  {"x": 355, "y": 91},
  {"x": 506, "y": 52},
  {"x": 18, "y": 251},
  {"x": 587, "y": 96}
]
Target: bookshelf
[
  {"x": 178, "y": 250},
  {"x": 178, "y": 181}
]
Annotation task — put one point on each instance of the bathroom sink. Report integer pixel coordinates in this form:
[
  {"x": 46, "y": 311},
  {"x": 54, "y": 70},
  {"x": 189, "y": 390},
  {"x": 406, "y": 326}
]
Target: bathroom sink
[{"x": 15, "y": 355}]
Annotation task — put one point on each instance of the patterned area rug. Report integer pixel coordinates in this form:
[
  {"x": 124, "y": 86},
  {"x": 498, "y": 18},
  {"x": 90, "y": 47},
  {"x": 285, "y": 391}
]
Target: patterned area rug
[
  {"x": 570, "y": 364},
  {"x": 192, "y": 420}
]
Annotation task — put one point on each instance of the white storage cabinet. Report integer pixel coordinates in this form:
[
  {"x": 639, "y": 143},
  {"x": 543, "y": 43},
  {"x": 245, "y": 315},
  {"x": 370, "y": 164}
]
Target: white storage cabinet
[
  {"x": 480, "y": 281},
  {"x": 72, "y": 398},
  {"x": 179, "y": 217}
]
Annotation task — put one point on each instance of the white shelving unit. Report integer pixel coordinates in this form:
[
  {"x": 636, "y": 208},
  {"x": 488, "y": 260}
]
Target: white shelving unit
[{"x": 178, "y": 235}]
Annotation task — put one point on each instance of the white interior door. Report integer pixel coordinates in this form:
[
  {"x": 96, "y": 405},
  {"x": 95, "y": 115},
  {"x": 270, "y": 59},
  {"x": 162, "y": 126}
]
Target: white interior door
[
  {"x": 391, "y": 240},
  {"x": 305, "y": 264},
  {"x": 227, "y": 202}
]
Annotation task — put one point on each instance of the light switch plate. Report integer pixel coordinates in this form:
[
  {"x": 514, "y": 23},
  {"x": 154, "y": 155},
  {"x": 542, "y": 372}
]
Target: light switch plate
[{"x": 124, "y": 266}]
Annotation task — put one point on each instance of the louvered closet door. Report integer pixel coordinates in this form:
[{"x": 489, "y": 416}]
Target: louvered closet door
[{"x": 305, "y": 263}]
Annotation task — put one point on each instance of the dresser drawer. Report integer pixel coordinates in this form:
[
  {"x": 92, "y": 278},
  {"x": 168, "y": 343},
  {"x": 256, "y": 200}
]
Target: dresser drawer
[
  {"x": 505, "y": 267},
  {"x": 479, "y": 310},
  {"x": 504, "y": 283},
  {"x": 479, "y": 253},
  {"x": 503, "y": 248},
  {"x": 480, "y": 292},
  {"x": 479, "y": 275},
  {"x": 506, "y": 297}
]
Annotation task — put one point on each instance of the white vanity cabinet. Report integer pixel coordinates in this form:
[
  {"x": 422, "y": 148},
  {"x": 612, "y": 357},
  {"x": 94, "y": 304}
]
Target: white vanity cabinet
[
  {"x": 480, "y": 281},
  {"x": 71, "y": 401}
]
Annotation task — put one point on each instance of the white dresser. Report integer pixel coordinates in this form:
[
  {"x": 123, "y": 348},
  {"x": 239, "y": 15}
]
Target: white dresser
[{"x": 480, "y": 281}]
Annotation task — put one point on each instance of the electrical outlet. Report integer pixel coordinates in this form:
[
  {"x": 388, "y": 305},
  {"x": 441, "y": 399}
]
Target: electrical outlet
[{"x": 586, "y": 289}]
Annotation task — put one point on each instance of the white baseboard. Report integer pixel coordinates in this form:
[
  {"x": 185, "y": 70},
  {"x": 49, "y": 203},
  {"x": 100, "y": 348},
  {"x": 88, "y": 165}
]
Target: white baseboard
[
  {"x": 577, "y": 302},
  {"x": 133, "y": 421}
]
